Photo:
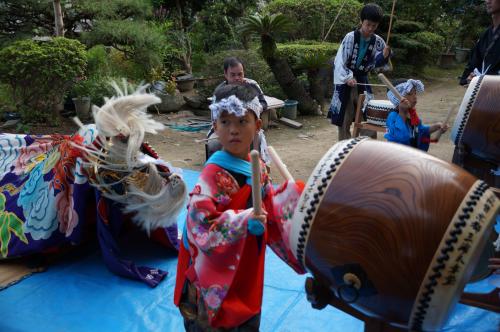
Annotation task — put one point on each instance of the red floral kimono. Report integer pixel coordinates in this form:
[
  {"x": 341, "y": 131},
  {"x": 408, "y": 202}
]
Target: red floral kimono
[{"x": 223, "y": 260}]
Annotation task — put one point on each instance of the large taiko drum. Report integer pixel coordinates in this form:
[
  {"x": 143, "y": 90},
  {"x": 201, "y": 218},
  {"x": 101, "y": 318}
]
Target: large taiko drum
[
  {"x": 377, "y": 111},
  {"x": 391, "y": 230},
  {"x": 477, "y": 125}
]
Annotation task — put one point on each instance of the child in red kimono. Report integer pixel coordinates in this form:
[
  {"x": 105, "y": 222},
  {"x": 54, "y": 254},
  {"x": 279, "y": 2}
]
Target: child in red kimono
[{"x": 220, "y": 272}]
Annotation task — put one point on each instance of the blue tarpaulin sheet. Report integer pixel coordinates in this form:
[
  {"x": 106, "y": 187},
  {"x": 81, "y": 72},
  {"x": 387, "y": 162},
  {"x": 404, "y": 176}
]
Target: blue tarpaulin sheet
[{"x": 80, "y": 294}]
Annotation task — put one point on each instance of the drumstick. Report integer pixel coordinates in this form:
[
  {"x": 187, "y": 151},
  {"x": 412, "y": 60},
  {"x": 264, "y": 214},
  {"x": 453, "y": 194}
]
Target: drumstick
[
  {"x": 256, "y": 196},
  {"x": 438, "y": 135},
  {"x": 279, "y": 164},
  {"x": 382, "y": 85},
  {"x": 205, "y": 139},
  {"x": 390, "y": 23},
  {"x": 390, "y": 86}
]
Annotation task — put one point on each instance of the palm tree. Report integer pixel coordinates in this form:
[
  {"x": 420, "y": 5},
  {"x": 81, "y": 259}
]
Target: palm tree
[
  {"x": 313, "y": 63},
  {"x": 266, "y": 26}
]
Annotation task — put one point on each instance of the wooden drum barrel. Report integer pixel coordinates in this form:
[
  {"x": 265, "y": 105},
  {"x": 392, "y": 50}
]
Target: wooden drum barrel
[
  {"x": 392, "y": 231},
  {"x": 477, "y": 125},
  {"x": 377, "y": 111}
]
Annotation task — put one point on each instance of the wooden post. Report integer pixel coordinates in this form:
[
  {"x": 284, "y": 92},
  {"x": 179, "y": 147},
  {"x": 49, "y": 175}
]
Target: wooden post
[{"x": 357, "y": 117}]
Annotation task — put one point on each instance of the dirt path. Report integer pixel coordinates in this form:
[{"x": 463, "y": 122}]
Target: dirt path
[{"x": 302, "y": 149}]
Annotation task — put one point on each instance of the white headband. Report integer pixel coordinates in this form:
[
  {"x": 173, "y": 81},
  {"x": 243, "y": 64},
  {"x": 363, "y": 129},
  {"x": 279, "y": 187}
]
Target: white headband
[
  {"x": 233, "y": 105},
  {"x": 404, "y": 89}
]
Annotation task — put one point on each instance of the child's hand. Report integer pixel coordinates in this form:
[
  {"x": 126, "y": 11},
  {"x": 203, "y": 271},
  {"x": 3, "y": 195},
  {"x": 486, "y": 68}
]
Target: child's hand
[
  {"x": 470, "y": 77},
  {"x": 387, "y": 51},
  {"x": 352, "y": 82},
  {"x": 444, "y": 127},
  {"x": 404, "y": 104},
  {"x": 256, "y": 224}
]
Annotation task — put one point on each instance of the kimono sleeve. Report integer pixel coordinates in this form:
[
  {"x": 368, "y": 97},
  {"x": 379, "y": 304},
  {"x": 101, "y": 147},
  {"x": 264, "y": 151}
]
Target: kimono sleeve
[
  {"x": 341, "y": 73},
  {"x": 280, "y": 205},
  {"x": 210, "y": 225},
  {"x": 380, "y": 61},
  {"x": 397, "y": 131}
]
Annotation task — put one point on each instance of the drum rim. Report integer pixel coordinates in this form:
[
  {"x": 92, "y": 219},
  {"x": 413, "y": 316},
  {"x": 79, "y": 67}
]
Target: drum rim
[
  {"x": 386, "y": 101},
  {"x": 459, "y": 125},
  {"x": 344, "y": 148},
  {"x": 434, "y": 299}
]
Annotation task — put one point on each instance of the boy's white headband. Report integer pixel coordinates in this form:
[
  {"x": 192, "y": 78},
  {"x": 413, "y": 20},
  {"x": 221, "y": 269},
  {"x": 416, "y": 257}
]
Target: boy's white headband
[{"x": 233, "y": 105}]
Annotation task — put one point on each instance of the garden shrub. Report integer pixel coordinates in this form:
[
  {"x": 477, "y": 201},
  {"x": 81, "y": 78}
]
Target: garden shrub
[
  {"x": 98, "y": 61},
  {"x": 40, "y": 73},
  {"x": 402, "y": 26},
  {"x": 434, "y": 41},
  {"x": 138, "y": 41},
  {"x": 295, "y": 51},
  {"x": 312, "y": 18}
]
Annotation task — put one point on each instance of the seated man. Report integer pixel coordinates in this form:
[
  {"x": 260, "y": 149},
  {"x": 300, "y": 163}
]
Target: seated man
[{"x": 234, "y": 73}]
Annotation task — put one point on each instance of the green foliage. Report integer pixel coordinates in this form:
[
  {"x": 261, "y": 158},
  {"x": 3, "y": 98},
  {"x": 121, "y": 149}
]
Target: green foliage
[
  {"x": 267, "y": 27},
  {"x": 114, "y": 9},
  {"x": 135, "y": 39},
  {"x": 7, "y": 104},
  {"x": 214, "y": 28},
  {"x": 98, "y": 61},
  {"x": 306, "y": 54},
  {"x": 40, "y": 73},
  {"x": 312, "y": 18},
  {"x": 434, "y": 41},
  {"x": 24, "y": 19},
  {"x": 100, "y": 87},
  {"x": 414, "y": 47},
  {"x": 402, "y": 26},
  {"x": 255, "y": 68}
]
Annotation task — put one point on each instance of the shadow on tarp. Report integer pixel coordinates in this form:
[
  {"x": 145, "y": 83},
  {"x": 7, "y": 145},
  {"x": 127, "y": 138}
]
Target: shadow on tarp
[{"x": 82, "y": 295}]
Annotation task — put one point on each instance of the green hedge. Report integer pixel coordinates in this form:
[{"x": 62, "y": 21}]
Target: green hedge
[
  {"x": 39, "y": 73},
  {"x": 307, "y": 49}
]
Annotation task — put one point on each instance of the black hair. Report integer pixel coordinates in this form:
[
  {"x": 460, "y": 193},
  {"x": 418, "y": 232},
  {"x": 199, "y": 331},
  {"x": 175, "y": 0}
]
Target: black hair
[
  {"x": 371, "y": 12},
  {"x": 243, "y": 92},
  {"x": 232, "y": 62}
]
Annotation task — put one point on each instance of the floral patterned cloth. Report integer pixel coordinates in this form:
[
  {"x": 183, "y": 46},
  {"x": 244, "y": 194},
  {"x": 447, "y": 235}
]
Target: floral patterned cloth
[
  {"x": 220, "y": 257},
  {"x": 46, "y": 201}
]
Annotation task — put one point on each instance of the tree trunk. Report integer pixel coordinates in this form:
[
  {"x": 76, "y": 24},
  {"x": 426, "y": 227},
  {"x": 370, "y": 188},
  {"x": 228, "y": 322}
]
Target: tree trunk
[
  {"x": 316, "y": 89},
  {"x": 58, "y": 17},
  {"x": 286, "y": 79}
]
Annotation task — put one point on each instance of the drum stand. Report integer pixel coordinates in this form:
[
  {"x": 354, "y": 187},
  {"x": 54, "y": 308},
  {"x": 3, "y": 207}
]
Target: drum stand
[
  {"x": 320, "y": 296},
  {"x": 358, "y": 125}
]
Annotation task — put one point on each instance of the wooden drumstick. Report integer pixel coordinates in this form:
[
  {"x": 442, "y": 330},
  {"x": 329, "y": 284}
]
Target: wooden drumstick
[
  {"x": 279, "y": 164},
  {"x": 438, "y": 135},
  {"x": 390, "y": 23},
  {"x": 391, "y": 87},
  {"x": 256, "y": 195}
]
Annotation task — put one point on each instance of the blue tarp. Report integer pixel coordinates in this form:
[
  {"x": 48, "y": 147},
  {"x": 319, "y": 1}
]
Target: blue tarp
[{"x": 80, "y": 294}]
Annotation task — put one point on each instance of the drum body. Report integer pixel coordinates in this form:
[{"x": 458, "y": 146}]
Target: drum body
[
  {"x": 477, "y": 125},
  {"x": 391, "y": 230},
  {"x": 377, "y": 111}
]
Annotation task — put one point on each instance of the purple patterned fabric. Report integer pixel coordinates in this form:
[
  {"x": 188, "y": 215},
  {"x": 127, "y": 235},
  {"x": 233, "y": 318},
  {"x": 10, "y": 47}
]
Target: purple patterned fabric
[{"x": 46, "y": 201}]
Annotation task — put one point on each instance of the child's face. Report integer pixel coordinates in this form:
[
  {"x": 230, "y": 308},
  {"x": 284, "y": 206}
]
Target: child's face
[
  {"x": 368, "y": 28},
  {"x": 237, "y": 133},
  {"x": 235, "y": 74},
  {"x": 412, "y": 98}
]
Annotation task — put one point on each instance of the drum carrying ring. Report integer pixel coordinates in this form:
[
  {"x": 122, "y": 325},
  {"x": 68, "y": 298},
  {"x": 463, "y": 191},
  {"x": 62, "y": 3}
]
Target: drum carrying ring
[{"x": 349, "y": 291}]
